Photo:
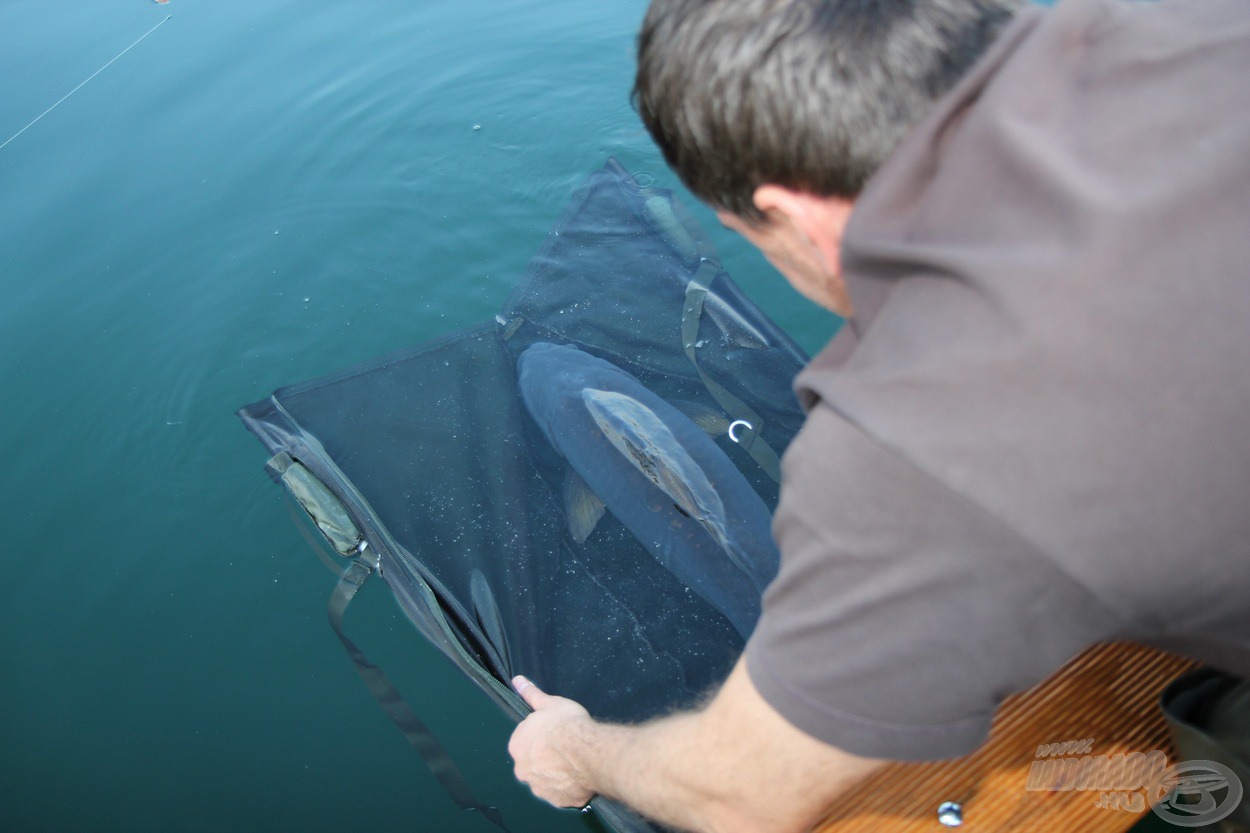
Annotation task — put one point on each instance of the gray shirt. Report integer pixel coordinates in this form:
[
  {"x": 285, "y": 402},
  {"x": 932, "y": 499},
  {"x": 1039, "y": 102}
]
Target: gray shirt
[{"x": 1035, "y": 434}]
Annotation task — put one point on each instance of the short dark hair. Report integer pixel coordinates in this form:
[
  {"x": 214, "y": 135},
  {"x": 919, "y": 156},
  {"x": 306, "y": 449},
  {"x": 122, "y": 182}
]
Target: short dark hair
[{"x": 809, "y": 94}]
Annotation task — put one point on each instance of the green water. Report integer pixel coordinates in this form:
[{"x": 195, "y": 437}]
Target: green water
[{"x": 256, "y": 194}]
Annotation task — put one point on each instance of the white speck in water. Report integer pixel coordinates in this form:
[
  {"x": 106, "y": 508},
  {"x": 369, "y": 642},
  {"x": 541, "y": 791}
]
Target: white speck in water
[
  {"x": 306, "y": 300},
  {"x": 275, "y": 231},
  {"x": 477, "y": 127}
]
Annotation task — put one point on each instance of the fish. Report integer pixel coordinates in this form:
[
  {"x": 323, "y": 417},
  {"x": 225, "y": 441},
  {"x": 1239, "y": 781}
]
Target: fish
[
  {"x": 737, "y": 331},
  {"x": 635, "y": 455},
  {"x": 509, "y": 328},
  {"x": 660, "y": 214},
  {"x": 641, "y": 436},
  {"x": 489, "y": 619}
]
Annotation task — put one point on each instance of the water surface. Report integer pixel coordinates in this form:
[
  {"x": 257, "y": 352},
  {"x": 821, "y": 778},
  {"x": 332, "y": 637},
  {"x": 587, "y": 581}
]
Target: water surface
[{"x": 254, "y": 195}]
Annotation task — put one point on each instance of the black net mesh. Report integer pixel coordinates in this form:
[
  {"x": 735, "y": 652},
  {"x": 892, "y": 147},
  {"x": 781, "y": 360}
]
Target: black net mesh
[{"x": 436, "y": 456}]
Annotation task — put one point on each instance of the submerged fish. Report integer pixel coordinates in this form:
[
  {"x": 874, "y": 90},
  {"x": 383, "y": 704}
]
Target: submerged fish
[
  {"x": 489, "y": 619},
  {"x": 657, "y": 472},
  {"x": 644, "y": 439},
  {"x": 660, "y": 214},
  {"x": 736, "y": 329}
]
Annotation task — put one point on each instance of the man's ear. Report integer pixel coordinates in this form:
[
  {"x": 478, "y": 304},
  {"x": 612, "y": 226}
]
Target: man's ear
[{"x": 821, "y": 220}]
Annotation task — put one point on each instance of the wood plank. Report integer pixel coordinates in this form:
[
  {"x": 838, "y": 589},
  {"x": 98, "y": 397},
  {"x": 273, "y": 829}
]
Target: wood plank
[{"x": 1109, "y": 693}]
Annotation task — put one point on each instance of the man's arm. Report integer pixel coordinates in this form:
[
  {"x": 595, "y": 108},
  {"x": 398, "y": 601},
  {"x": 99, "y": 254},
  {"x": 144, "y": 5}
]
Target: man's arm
[{"x": 735, "y": 765}]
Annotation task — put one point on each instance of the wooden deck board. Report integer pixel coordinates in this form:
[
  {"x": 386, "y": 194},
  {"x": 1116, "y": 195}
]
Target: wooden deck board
[{"x": 1109, "y": 693}]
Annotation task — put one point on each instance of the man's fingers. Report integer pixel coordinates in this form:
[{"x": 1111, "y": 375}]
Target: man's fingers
[{"x": 529, "y": 692}]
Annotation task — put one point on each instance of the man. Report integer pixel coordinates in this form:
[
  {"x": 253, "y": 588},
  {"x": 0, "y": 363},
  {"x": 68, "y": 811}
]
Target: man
[{"x": 1034, "y": 432}]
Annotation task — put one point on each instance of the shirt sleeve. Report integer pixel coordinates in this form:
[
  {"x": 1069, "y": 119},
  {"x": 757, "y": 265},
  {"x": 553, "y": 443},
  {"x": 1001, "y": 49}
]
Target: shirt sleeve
[{"x": 902, "y": 613}]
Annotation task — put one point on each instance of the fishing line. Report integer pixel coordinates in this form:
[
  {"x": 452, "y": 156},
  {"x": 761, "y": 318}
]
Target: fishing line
[{"x": 89, "y": 77}]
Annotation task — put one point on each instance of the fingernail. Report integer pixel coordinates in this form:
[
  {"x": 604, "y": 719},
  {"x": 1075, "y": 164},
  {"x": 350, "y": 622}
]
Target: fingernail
[{"x": 519, "y": 682}]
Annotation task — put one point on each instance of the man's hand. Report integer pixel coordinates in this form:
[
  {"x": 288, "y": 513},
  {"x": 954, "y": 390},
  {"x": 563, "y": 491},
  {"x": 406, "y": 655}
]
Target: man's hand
[
  {"x": 546, "y": 744},
  {"x": 732, "y": 765}
]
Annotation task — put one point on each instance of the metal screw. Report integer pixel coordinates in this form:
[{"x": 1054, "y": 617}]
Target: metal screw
[{"x": 951, "y": 814}]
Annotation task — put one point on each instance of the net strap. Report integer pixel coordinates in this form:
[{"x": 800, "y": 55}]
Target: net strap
[{"x": 419, "y": 736}]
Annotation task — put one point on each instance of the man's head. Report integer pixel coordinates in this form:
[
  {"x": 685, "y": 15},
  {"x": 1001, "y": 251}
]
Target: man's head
[
  {"x": 777, "y": 112},
  {"x": 811, "y": 95}
]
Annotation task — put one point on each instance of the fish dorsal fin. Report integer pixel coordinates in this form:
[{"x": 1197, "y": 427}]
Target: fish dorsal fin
[{"x": 582, "y": 506}]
